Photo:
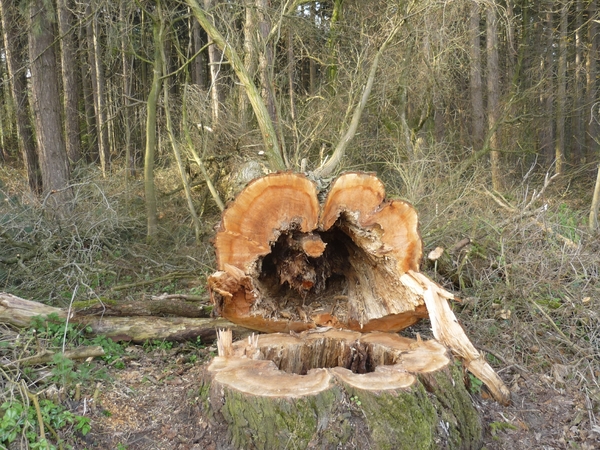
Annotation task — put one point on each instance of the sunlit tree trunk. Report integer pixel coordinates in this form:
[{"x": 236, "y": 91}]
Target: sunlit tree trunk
[
  {"x": 475, "y": 79},
  {"x": 45, "y": 90},
  {"x": 561, "y": 92},
  {"x": 578, "y": 134},
  {"x": 199, "y": 64},
  {"x": 250, "y": 61},
  {"x": 97, "y": 76},
  {"x": 126, "y": 63},
  {"x": 151, "y": 141},
  {"x": 215, "y": 58},
  {"x": 15, "y": 46},
  {"x": 493, "y": 91},
  {"x": 593, "y": 105},
  {"x": 69, "y": 79},
  {"x": 90, "y": 149},
  {"x": 547, "y": 95}
]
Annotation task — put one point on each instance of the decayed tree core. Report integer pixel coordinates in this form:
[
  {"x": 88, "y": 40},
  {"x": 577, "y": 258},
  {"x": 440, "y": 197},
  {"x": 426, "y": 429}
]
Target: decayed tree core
[
  {"x": 288, "y": 264},
  {"x": 326, "y": 389}
]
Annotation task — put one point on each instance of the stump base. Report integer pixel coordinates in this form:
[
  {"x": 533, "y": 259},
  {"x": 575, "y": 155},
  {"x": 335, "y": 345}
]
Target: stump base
[{"x": 340, "y": 389}]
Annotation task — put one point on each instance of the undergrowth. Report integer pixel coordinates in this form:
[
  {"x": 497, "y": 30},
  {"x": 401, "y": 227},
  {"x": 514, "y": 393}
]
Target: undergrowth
[
  {"x": 527, "y": 277},
  {"x": 44, "y": 403}
]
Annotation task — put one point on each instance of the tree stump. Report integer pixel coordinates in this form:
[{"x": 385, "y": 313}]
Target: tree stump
[
  {"x": 329, "y": 279},
  {"x": 340, "y": 389}
]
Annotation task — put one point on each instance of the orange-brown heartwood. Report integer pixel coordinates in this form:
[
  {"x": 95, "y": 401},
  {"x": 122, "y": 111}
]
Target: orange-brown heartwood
[{"x": 289, "y": 263}]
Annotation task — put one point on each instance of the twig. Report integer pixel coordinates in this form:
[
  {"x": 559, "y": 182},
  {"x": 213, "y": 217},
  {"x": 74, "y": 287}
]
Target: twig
[
  {"x": 47, "y": 355},
  {"x": 36, "y": 404},
  {"x": 558, "y": 330}
]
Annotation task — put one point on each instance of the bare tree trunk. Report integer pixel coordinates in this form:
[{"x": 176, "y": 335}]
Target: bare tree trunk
[
  {"x": 97, "y": 76},
  {"x": 250, "y": 61},
  {"x": 91, "y": 150},
  {"x": 561, "y": 93},
  {"x": 69, "y": 78},
  {"x": 15, "y": 48},
  {"x": 215, "y": 58},
  {"x": 149, "y": 187},
  {"x": 578, "y": 135},
  {"x": 199, "y": 64},
  {"x": 547, "y": 98},
  {"x": 291, "y": 71},
  {"x": 45, "y": 91},
  {"x": 593, "y": 107},
  {"x": 493, "y": 88},
  {"x": 475, "y": 79},
  {"x": 126, "y": 63}
]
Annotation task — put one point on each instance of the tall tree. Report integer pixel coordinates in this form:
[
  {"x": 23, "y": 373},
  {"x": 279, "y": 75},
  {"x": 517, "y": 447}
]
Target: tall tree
[
  {"x": 592, "y": 105},
  {"x": 493, "y": 92},
  {"x": 158, "y": 28},
  {"x": 15, "y": 46},
  {"x": 126, "y": 63},
  {"x": 69, "y": 79},
  {"x": 215, "y": 59},
  {"x": 45, "y": 90},
  {"x": 98, "y": 88},
  {"x": 475, "y": 78},
  {"x": 561, "y": 92},
  {"x": 547, "y": 92}
]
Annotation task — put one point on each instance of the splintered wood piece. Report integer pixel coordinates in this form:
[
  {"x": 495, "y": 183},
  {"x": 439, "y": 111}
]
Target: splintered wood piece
[
  {"x": 265, "y": 208},
  {"x": 448, "y": 331},
  {"x": 286, "y": 398}
]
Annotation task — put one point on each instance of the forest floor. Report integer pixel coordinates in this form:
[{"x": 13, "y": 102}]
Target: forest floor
[{"x": 528, "y": 280}]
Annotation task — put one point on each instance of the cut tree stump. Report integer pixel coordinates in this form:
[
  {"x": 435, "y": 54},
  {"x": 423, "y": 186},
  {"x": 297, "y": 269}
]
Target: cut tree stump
[
  {"x": 286, "y": 263},
  {"x": 339, "y": 389}
]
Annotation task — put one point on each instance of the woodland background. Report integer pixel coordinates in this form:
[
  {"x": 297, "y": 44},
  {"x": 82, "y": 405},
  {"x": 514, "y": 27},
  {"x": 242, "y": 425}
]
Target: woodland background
[{"x": 126, "y": 126}]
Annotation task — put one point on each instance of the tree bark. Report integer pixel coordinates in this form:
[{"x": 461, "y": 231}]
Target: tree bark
[
  {"x": 215, "y": 58},
  {"x": 493, "y": 90},
  {"x": 199, "y": 64},
  {"x": 47, "y": 109},
  {"x": 15, "y": 46},
  {"x": 69, "y": 79},
  {"x": 475, "y": 79},
  {"x": 250, "y": 61},
  {"x": 152, "y": 105},
  {"x": 547, "y": 97},
  {"x": 98, "y": 87},
  {"x": 592, "y": 107},
  {"x": 561, "y": 91},
  {"x": 327, "y": 389},
  {"x": 90, "y": 150},
  {"x": 126, "y": 67}
]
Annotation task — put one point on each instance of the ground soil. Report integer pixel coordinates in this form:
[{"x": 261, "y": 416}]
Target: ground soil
[{"x": 153, "y": 404}]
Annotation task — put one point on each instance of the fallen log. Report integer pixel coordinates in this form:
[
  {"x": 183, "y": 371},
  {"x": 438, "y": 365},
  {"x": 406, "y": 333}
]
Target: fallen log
[
  {"x": 19, "y": 312},
  {"x": 364, "y": 278}
]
